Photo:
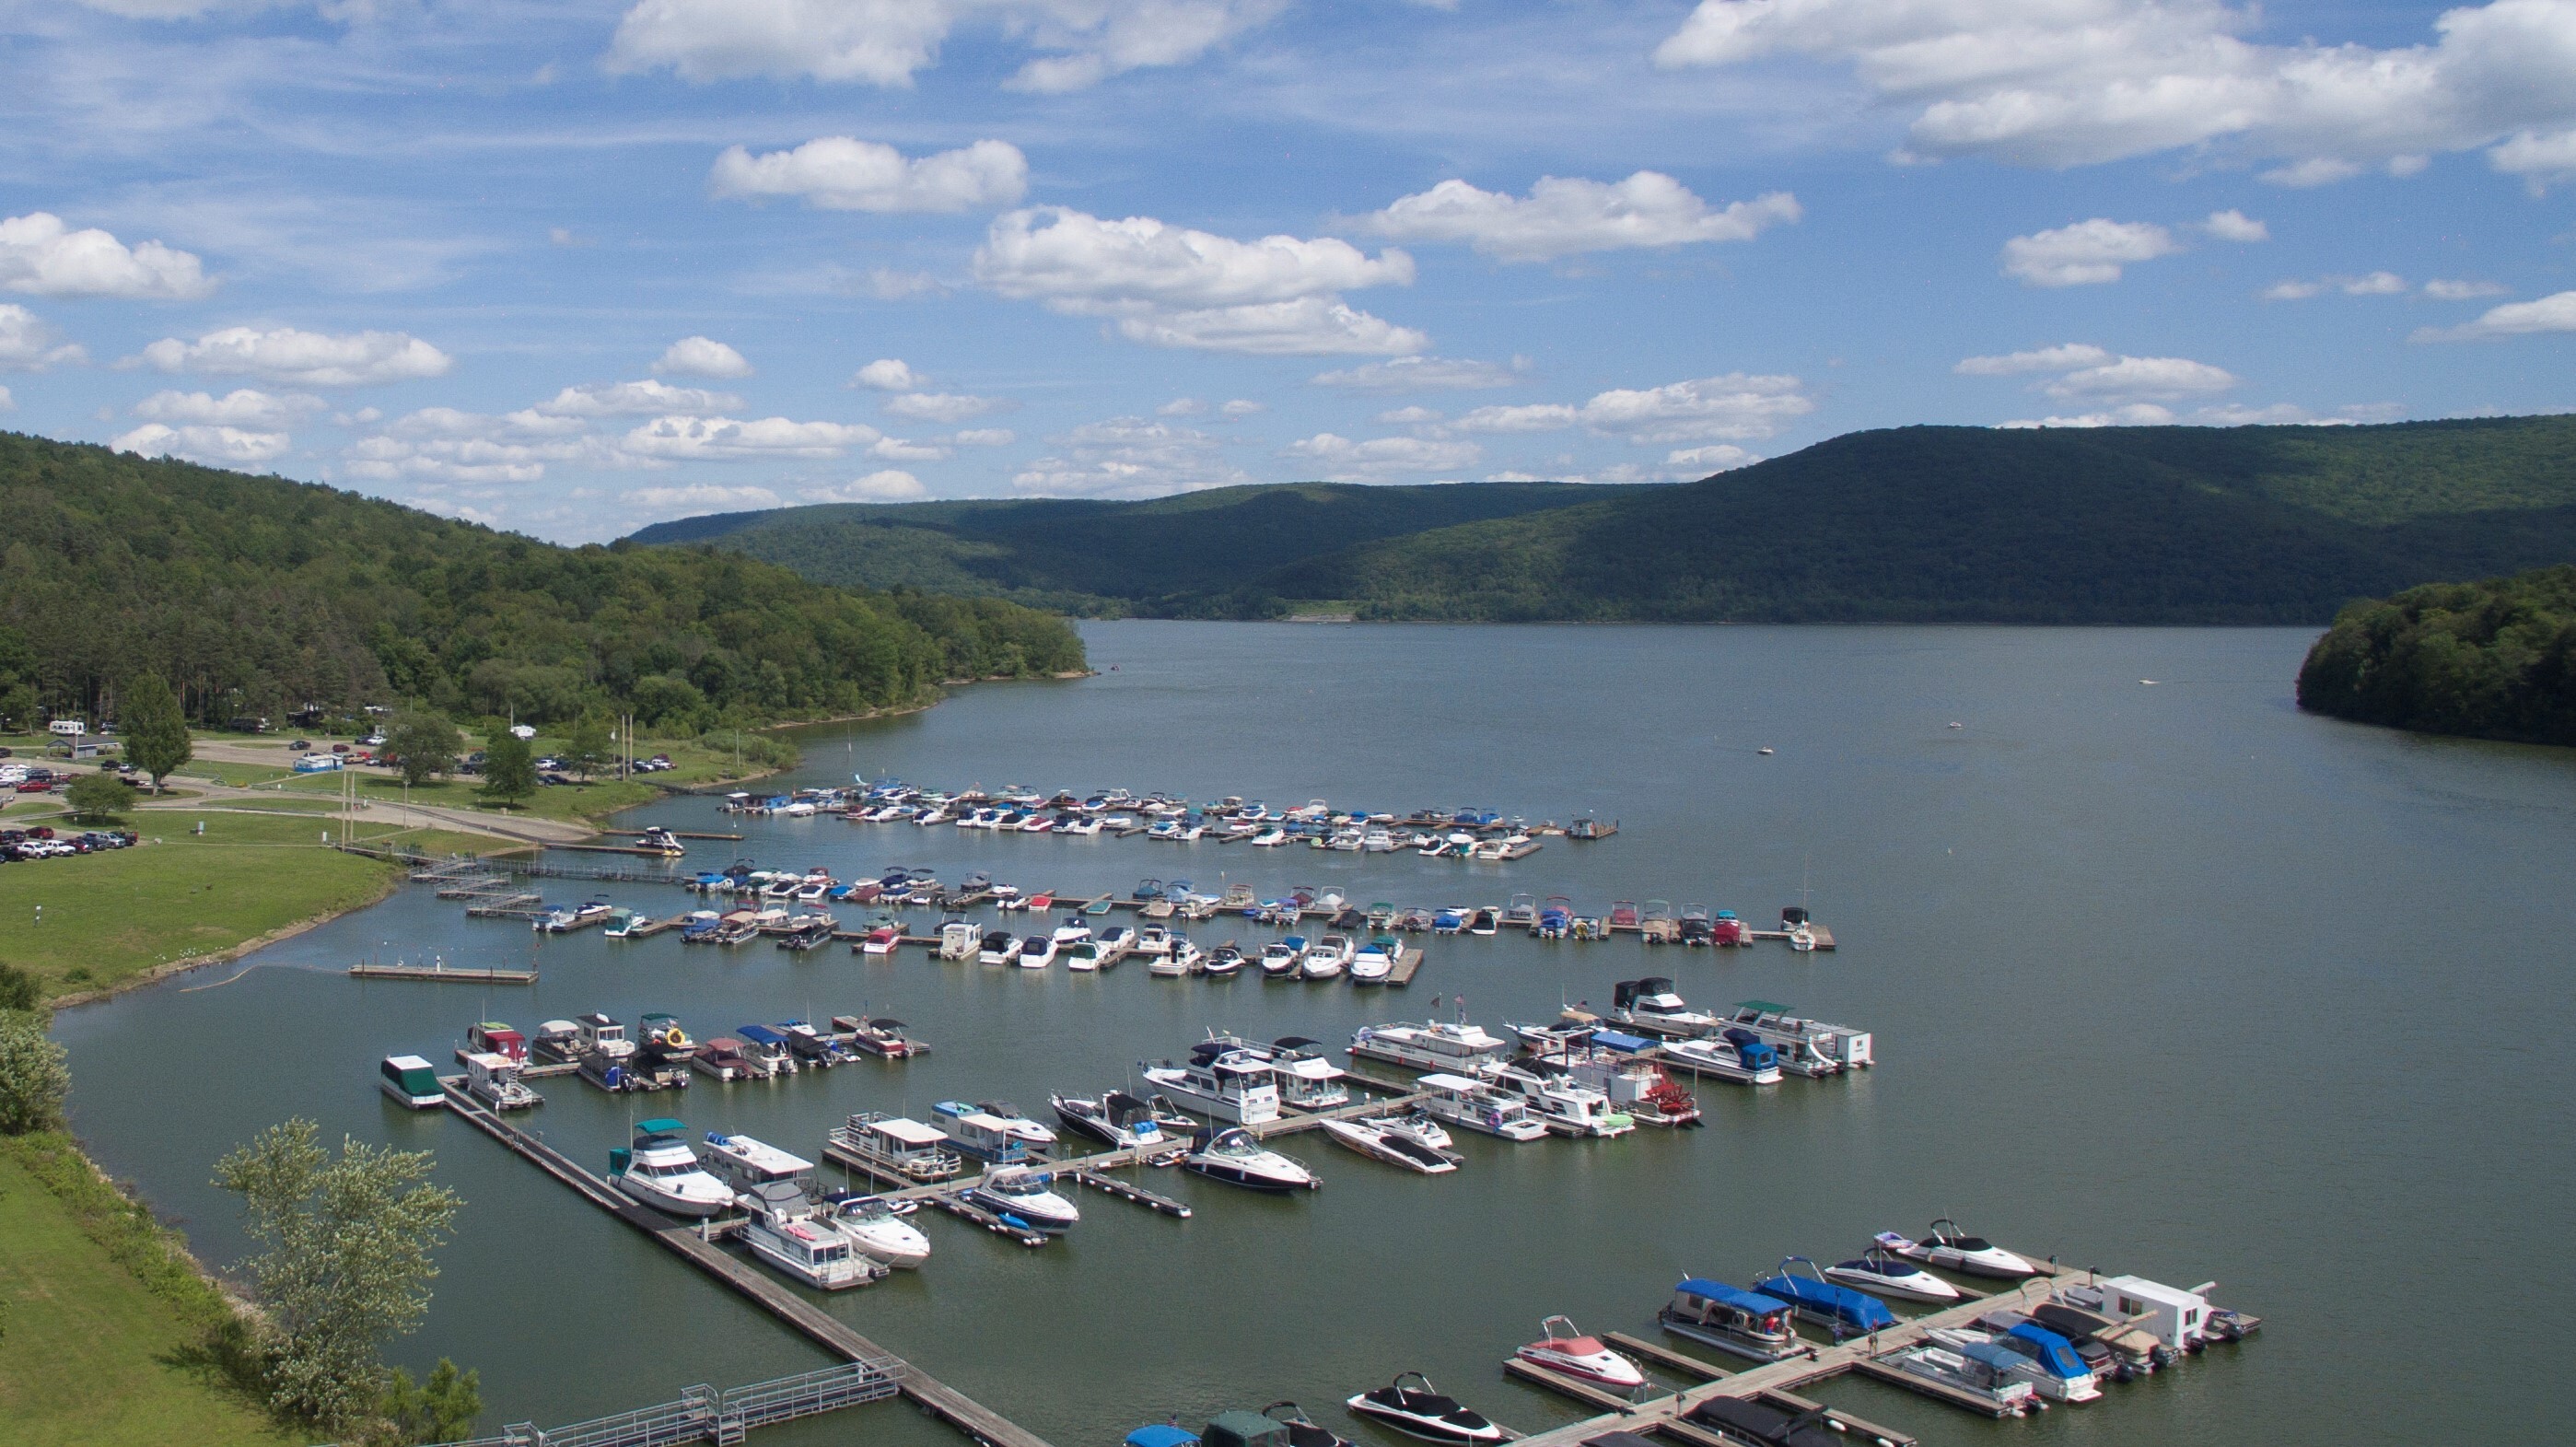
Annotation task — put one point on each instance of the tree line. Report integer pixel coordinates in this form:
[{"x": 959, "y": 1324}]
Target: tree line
[{"x": 2492, "y": 660}]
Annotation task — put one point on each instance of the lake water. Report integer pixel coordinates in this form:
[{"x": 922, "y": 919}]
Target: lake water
[{"x": 2170, "y": 979}]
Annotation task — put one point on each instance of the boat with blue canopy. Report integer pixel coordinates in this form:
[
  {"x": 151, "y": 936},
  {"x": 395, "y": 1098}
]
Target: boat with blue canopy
[
  {"x": 1732, "y": 1319},
  {"x": 1838, "y": 1309}
]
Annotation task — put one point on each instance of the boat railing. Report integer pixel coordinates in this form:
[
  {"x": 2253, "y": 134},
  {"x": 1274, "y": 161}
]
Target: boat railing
[{"x": 704, "y": 1414}]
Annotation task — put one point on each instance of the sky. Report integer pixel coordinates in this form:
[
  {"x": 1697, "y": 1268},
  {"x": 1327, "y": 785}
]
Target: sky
[{"x": 570, "y": 268}]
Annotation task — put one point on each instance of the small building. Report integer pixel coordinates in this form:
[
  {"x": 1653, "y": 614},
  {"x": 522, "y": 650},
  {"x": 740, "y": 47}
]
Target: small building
[{"x": 2175, "y": 1317}]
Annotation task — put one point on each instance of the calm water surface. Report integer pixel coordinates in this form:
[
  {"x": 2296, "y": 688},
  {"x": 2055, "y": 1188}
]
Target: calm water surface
[{"x": 2167, "y": 978}]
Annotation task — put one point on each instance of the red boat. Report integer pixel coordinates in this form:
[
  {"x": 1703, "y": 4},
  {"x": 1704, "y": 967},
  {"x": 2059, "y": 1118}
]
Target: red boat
[{"x": 1569, "y": 1352}]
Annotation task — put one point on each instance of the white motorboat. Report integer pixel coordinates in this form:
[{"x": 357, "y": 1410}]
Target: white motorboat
[
  {"x": 662, "y": 1172},
  {"x": 1742, "y": 1062},
  {"x": 1231, "y": 1086},
  {"x": 1154, "y": 941},
  {"x": 1881, "y": 1274},
  {"x": 1071, "y": 931},
  {"x": 1432, "y": 1045},
  {"x": 1280, "y": 960},
  {"x": 1562, "y": 1105},
  {"x": 1477, "y": 1106},
  {"x": 1652, "y": 1004},
  {"x": 746, "y": 1164},
  {"x": 1564, "y": 1350},
  {"x": 880, "y": 1231},
  {"x": 1116, "y": 943},
  {"x": 1021, "y": 1193},
  {"x": 1083, "y": 957},
  {"x": 1117, "y": 1120},
  {"x": 1028, "y": 1132},
  {"x": 1809, "y": 1047},
  {"x": 1326, "y": 958},
  {"x": 1305, "y": 1078},
  {"x": 2042, "y": 1358},
  {"x": 1036, "y": 953},
  {"x": 1373, "y": 1138},
  {"x": 1954, "y": 1250},
  {"x": 1371, "y": 963},
  {"x": 999, "y": 947},
  {"x": 787, "y": 1231},
  {"x": 1236, "y": 1157},
  {"x": 1984, "y": 1372},
  {"x": 1419, "y": 1410}
]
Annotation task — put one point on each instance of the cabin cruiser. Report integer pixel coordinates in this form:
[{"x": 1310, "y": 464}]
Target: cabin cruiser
[
  {"x": 1838, "y": 1309},
  {"x": 1462, "y": 1101},
  {"x": 1432, "y": 1045},
  {"x": 2048, "y": 1362},
  {"x": 1231, "y": 1086},
  {"x": 879, "y": 1231},
  {"x": 1154, "y": 941},
  {"x": 1980, "y": 1370},
  {"x": 1651, "y": 1003},
  {"x": 1809, "y": 1047},
  {"x": 491, "y": 1036},
  {"x": 1741, "y": 1061},
  {"x": 879, "y": 1035},
  {"x": 1954, "y": 1250},
  {"x": 1412, "y": 1406},
  {"x": 1568, "y": 1352},
  {"x": 1235, "y": 1156},
  {"x": 789, "y": 1232},
  {"x": 598, "y": 1036},
  {"x": 1117, "y": 1120},
  {"x": 1036, "y": 953},
  {"x": 1380, "y": 1139},
  {"x": 1562, "y": 1105},
  {"x": 1305, "y": 1078},
  {"x": 1326, "y": 958},
  {"x": 1022, "y": 1194},
  {"x": 662, "y": 1172},
  {"x": 1030, "y": 1132},
  {"x": 999, "y": 947},
  {"x": 1731, "y": 1319},
  {"x": 1876, "y": 1270},
  {"x": 1071, "y": 931},
  {"x": 1083, "y": 957}
]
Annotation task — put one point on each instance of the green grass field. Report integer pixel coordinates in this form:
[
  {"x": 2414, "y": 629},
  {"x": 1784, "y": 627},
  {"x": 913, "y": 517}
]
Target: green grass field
[
  {"x": 108, "y": 917},
  {"x": 94, "y": 1357}
]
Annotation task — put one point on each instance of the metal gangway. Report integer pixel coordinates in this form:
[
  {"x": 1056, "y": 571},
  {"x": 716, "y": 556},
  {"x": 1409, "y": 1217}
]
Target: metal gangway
[{"x": 703, "y": 1414}]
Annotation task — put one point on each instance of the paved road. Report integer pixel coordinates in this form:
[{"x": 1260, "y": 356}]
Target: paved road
[{"x": 517, "y": 829}]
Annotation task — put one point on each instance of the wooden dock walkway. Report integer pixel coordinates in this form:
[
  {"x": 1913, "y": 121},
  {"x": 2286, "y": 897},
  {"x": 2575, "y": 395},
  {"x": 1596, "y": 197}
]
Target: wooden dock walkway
[
  {"x": 443, "y": 973},
  {"x": 825, "y": 1330}
]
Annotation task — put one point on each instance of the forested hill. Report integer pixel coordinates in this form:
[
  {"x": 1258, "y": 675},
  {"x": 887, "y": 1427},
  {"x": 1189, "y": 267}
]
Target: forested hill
[
  {"x": 256, "y": 595},
  {"x": 2493, "y": 660},
  {"x": 1960, "y": 524}
]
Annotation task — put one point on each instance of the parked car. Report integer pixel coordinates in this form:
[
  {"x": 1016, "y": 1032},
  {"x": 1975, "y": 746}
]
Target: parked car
[
  {"x": 339, "y": 748},
  {"x": 299, "y": 746}
]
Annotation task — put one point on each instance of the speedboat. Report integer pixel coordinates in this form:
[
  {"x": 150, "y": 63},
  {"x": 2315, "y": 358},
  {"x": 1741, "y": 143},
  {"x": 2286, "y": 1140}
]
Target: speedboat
[
  {"x": 1327, "y": 957},
  {"x": 1731, "y": 1319},
  {"x": 1302, "y": 1429},
  {"x": 661, "y": 1171},
  {"x": 1224, "y": 963},
  {"x": 1374, "y": 1139},
  {"x": 1072, "y": 930},
  {"x": 1419, "y": 1410},
  {"x": 1036, "y": 953},
  {"x": 1953, "y": 1250},
  {"x": 879, "y": 1231},
  {"x": 1235, "y": 1156},
  {"x": 999, "y": 947},
  {"x": 1743, "y": 1061},
  {"x": 1023, "y": 1194},
  {"x": 1875, "y": 1270},
  {"x": 1280, "y": 961},
  {"x": 1839, "y": 1309},
  {"x": 1028, "y": 1132},
  {"x": 1117, "y": 1120},
  {"x": 1566, "y": 1351}
]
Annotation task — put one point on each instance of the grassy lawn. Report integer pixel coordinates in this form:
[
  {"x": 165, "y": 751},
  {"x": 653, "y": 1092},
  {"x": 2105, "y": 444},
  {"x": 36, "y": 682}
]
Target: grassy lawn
[
  {"x": 110, "y": 916},
  {"x": 94, "y": 1357}
]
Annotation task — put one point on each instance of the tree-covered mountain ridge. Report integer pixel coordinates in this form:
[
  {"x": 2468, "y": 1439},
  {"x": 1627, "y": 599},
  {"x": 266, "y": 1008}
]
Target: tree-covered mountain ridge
[{"x": 1914, "y": 524}]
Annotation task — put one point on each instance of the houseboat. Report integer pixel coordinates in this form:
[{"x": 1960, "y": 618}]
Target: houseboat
[
  {"x": 1471, "y": 1103},
  {"x": 744, "y": 1163},
  {"x": 789, "y": 1232},
  {"x": 493, "y": 1078},
  {"x": 1731, "y": 1319},
  {"x": 1432, "y": 1045},
  {"x": 1231, "y": 1086},
  {"x": 896, "y": 1146},
  {"x": 1807, "y": 1047},
  {"x": 411, "y": 1081},
  {"x": 977, "y": 1132}
]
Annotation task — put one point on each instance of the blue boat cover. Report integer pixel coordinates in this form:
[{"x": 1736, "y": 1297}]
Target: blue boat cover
[
  {"x": 1162, "y": 1436},
  {"x": 760, "y": 1035},
  {"x": 1993, "y": 1356},
  {"x": 1734, "y": 1296},
  {"x": 1616, "y": 1040},
  {"x": 1856, "y": 1310},
  {"x": 2054, "y": 1351}
]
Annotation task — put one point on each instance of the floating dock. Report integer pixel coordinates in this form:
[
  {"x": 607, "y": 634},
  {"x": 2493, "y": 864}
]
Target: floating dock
[{"x": 444, "y": 974}]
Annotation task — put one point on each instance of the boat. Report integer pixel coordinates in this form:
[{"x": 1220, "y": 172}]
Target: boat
[
  {"x": 1117, "y": 1120},
  {"x": 979, "y": 1133},
  {"x": 1083, "y": 957},
  {"x": 1234, "y": 1156},
  {"x": 1752, "y": 1422},
  {"x": 1431, "y": 1045},
  {"x": 1223, "y": 963},
  {"x": 1185, "y": 958},
  {"x": 1305, "y": 1078},
  {"x": 786, "y": 1230},
  {"x": 1841, "y": 1310},
  {"x": 1154, "y": 941},
  {"x": 1878, "y": 1271},
  {"x": 1809, "y": 1047},
  {"x": 659, "y": 1041},
  {"x": 493, "y": 1079},
  {"x": 1485, "y": 921},
  {"x": 493, "y": 1037},
  {"x": 411, "y": 1081},
  {"x": 897, "y": 1146},
  {"x": 1738, "y": 1058},
  {"x": 1378, "y": 1140},
  {"x": 1373, "y": 962},
  {"x": 1471, "y": 1103},
  {"x": 1116, "y": 943},
  {"x": 1522, "y": 914},
  {"x": 879, "y": 1231},
  {"x": 722, "y": 1058},
  {"x": 765, "y": 1051},
  {"x": 1022, "y": 1194},
  {"x": 1030, "y": 1133},
  {"x": 1568, "y": 1352},
  {"x": 623, "y": 923},
  {"x": 879, "y": 1035},
  {"x": 662, "y": 1172},
  {"x": 881, "y": 941},
  {"x": 2048, "y": 1361},
  {"x": 999, "y": 947},
  {"x": 1563, "y": 1105},
  {"x": 1982, "y": 1371},
  {"x": 600, "y": 1038},
  {"x": 1623, "y": 914},
  {"x": 1731, "y": 1319},
  {"x": 1231, "y": 1086},
  {"x": 1419, "y": 1410},
  {"x": 1302, "y": 1429},
  {"x": 1282, "y": 959},
  {"x": 745, "y": 1164},
  {"x": 1071, "y": 931},
  {"x": 1036, "y": 953},
  {"x": 1326, "y": 958},
  {"x": 1651, "y": 1003},
  {"x": 1954, "y": 1250}
]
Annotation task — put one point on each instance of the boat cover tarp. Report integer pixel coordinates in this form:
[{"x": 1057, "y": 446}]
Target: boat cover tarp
[
  {"x": 1754, "y": 1302},
  {"x": 1854, "y": 1309},
  {"x": 1622, "y": 1042},
  {"x": 1161, "y": 1436},
  {"x": 761, "y": 1035}
]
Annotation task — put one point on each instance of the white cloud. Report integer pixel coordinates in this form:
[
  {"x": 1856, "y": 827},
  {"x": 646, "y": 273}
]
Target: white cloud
[
  {"x": 1129, "y": 457},
  {"x": 1733, "y": 406},
  {"x": 943, "y": 407},
  {"x": 2539, "y": 158},
  {"x": 1410, "y": 417},
  {"x": 2044, "y": 359},
  {"x": 1382, "y": 457},
  {"x": 647, "y": 398},
  {"x": 1182, "y": 407},
  {"x": 724, "y": 439},
  {"x": 889, "y": 374},
  {"x": 2087, "y": 253},
  {"x": 700, "y": 497},
  {"x": 885, "y": 42},
  {"x": 887, "y": 284},
  {"x": 29, "y": 344},
  {"x": 308, "y": 359},
  {"x": 2076, "y": 82},
  {"x": 213, "y": 445},
  {"x": 2441, "y": 290},
  {"x": 1562, "y": 216},
  {"x": 2142, "y": 414},
  {"x": 1241, "y": 407},
  {"x": 839, "y": 173},
  {"x": 2515, "y": 318},
  {"x": 702, "y": 357},
  {"x": 890, "y": 485},
  {"x": 899, "y": 449},
  {"x": 41, "y": 256},
  {"x": 2377, "y": 283},
  {"x": 985, "y": 437},
  {"x": 1723, "y": 457},
  {"x": 443, "y": 445},
  {"x": 1175, "y": 287},
  {"x": 2235, "y": 226},
  {"x": 1535, "y": 417},
  {"x": 2141, "y": 379},
  {"x": 241, "y": 407},
  {"x": 1421, "y": 374}
]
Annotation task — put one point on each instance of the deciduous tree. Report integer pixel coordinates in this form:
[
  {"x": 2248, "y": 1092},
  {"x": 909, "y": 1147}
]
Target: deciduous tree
[
  {"x": 509, "y": 769},
  {"x": 155, "y": 731},
  {"x": 35, "y": 1076},
  {"x": 424, "y": 746},
  {"x": 98, "y": 796}
]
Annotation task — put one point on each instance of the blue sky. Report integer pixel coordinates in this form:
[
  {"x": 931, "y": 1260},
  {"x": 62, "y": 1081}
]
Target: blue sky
[{"x": 573, "y": 267}]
